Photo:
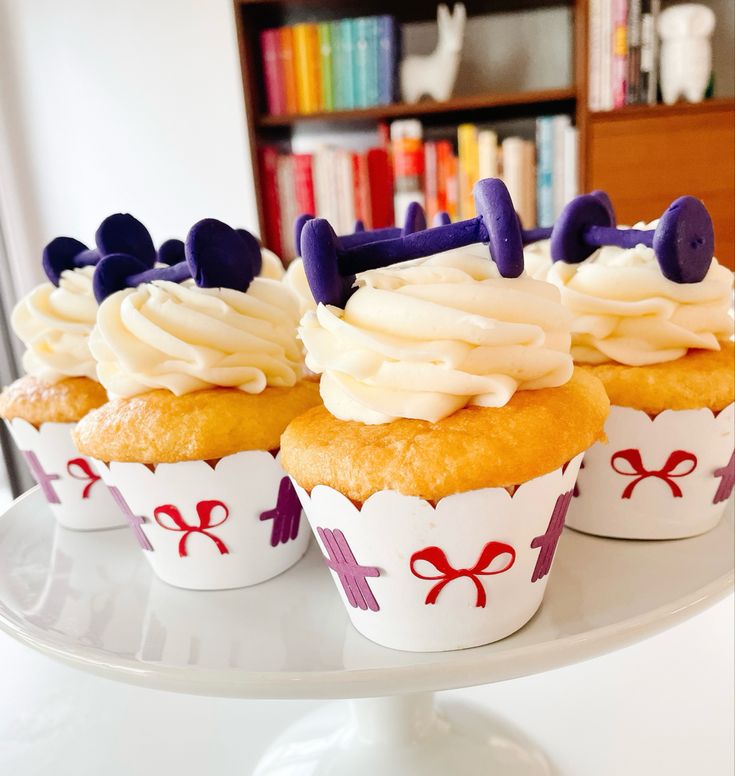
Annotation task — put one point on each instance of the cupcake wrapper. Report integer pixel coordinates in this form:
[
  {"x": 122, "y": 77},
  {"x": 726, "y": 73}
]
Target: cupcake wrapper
[
  {"x": 666, "y": 477},
  {"x": 207, "y": 527},
  {"x": 467, "y": 572},
  {"x": 73, "y": 489}
]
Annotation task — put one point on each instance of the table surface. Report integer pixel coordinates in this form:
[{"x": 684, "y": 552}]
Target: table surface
[{"x": 664, "y": 705}]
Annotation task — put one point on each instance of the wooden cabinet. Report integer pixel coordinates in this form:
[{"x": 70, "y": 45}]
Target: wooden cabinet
[{"x": 646, "y": 157}]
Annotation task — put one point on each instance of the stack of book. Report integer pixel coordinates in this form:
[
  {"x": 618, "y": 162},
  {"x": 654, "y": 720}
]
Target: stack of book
[
  {"x": 333, "y": 183},
  {"x": 342, "y": 185},
  {"x": 328, "y": 66},
  {"x": 623, "y": 53}
]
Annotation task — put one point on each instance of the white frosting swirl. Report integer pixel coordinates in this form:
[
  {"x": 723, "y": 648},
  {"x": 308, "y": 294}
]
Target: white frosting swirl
[
  {"x": 272, "y": 267},
  {"x": 54, "y": 325},
  {"x": 183, "y": 338},
  {"x": 295, "y": 279},
  {"x": 427, "y": 337},
  {"x": 626, "y": 311},
  {"x": 537, "y": 258}
]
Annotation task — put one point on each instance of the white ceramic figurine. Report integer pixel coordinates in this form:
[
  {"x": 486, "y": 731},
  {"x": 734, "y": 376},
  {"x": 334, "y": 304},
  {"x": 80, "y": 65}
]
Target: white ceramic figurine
[
  {"x": 686, "y": 51},
  {"x": 434, "y": 74}
]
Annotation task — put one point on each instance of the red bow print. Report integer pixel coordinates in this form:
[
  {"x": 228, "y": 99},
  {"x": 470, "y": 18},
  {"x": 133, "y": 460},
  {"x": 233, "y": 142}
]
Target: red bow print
[
  {"x": 438, "y": 559},
  {"x": 204, "y": 512},
  {"x": 83, "y": 472},
  {"x": 667, "y": 473}
]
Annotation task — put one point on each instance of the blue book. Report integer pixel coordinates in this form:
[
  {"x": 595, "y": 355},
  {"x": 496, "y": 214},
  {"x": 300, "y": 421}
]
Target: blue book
[
  {"x": 346, "y": 63},
  {"x": 545, "y": 170},
  {"x": 360, "y": 68},
  {"x": 335, "y": 34},
  {"x": 387, "y": 60},
  {"x": 372, "y": 60}
]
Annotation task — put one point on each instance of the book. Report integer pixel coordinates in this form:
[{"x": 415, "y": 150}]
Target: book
[
  {"x": 528, "y": 201},
  {"x": 560, "y": 124},
  {"x": 633, "y": 82},
  {"x": 345, "y": 192},
  {"x": 345, "y": 64},
  {"x": 649, "y": 51},
  {"x": 570, "y": 186},
  {"x": 431, "y": 180},
  {"x": 304, "y": 185},
  {"x": 306, "y": 59},
  {"x": 371, "y": 64},
  {"x": 487, "y": 154},
  {"x": 326, "y": 65},
  {"x": 446, "y": 178},
  {"x": 287, "y": 204},
  {"x": 268, "y": 167},
  {"x": 361, "y": 182},
  {"x": 594, "y": 64},
  {"x": 619, "y": 52},
  {"x": 545, "y": 170},
  {"x": 513, "y": 160},
  {"x": 452, "y": 187},
  {"x": 469, "y": 173},
  {"x": 285, "y": 49},
  {"x": 361, "y": 72},
  {"x": 408, "y": 164},
  {"x": 272, "y": 72},
  {"x": 381, "y": 188},
  {"x": 606, "y": 34},
  {"x": 388, "y": 58}
]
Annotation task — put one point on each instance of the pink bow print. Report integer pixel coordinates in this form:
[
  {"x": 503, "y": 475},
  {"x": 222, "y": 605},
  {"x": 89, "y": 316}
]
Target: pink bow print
[
  {"x": 669, "y": 471},
  {"x": 204, "y": 513},
  {"x": 447, "y": 573}
]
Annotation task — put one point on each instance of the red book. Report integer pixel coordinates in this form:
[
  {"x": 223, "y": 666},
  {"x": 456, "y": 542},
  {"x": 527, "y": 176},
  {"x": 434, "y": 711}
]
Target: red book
[
  {"x": 268, "y": 163},
  {"x": 620, "y": 52},
  {"x": 381, "y": 188},
  {"x": 431, "y": 179},
  {"x": 288, "y": 68},
  {"x": 304, "y": 182},
  {"x": 272, "y": 72},
  {"x": 443, "y": 172},
  {"x": 361, "y": 179}
]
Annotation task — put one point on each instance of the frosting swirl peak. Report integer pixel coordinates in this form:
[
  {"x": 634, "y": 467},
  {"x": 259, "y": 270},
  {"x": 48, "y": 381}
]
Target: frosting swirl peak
[
  {"x": 424, "y": 338},
  {"x": 54, "y": 323},
  {"x": 625, "y": 310},
  {"x": 182, "y": 338}
]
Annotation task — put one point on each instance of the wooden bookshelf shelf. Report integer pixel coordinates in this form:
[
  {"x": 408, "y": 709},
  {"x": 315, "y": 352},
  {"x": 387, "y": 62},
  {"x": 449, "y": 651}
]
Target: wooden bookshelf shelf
[
  {"x": 662, "y": 111},
  {"x": 540, "y": 100}
]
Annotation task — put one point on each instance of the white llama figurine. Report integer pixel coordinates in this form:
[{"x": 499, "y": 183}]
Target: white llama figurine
[
  {"x": 434, "y": 74},
  {"x": 686, "y": 51}
]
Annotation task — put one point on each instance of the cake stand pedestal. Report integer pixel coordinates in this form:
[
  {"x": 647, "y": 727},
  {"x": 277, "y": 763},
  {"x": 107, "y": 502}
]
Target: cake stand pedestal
[{"x": 90, "y": 600}]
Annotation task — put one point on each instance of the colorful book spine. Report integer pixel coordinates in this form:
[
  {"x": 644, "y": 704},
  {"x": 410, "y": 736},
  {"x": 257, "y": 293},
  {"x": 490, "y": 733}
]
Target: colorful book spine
[
  {"x": 649, "y": 51},
  {"x": 371, "y": 64},
  {"x": 452, "y": 165},
  {"x": 326, "y": 69},
  {"x": 513, "y": 155},
  {"x": 287, "y": 204},
  {"x": 272, "y": 73},
  {"x": 559, "y": 126},
  {"x": 408, "y": 164},
  {"x": 571, "y": 174},
  {"x": 606, "y": 67},
  {"x": 304, "y": 185},
  {"x": 545, "y": 170},
  {"x": 268, "y": 165},
  {"x": 528, "y": 204},
  {"x": 361, "y": 182},
  {"x": 360, "y": 69},
  {"x": 487, "y": 153},
  {"x": 387, "y": 59},
  {"x": 306, "y": 58},
  {"x": 594, "y": 63},
  {"x": 619, "y": 52},
  {"x": 446, "y": 173},
  {"x": 381, "y": 187},
  {"x": 285, "y": 49},
  {"x": 633, "y": 83},
  {"x": 469, "y": 168},
  {"x": 346, "y": 65},
  {"x": 431, "y": 180}
]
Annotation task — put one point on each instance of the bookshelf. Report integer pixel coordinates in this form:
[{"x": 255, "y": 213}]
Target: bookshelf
[{"x": 634, "y": 153}]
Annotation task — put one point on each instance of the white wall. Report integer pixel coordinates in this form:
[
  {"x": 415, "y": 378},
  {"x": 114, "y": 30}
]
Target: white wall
[{"x": 119, "y": 105}]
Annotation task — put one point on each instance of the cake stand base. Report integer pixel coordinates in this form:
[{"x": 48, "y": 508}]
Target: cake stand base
[{"x": 402, "y": 735}]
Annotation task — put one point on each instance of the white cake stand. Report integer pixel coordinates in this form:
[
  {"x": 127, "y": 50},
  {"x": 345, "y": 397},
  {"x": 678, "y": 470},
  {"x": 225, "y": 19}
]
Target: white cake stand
[{"x": 90, "y": 600}]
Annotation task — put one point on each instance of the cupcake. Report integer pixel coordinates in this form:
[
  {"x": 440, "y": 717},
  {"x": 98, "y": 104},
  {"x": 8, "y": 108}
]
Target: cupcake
[
  {"x": 204, "y": 372},
  {"x": 437, "y": 474},
  {"x": 654, "y": 327},
  {"x": 54, "y": 322}
]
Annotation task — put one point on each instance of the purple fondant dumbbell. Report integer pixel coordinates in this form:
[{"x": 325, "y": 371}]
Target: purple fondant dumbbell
[
  {"x": 64, "y": 253},
  {"x": 413, "y": 221},
  {"x": 122, "y": 233},
  {"x": 331, "y": 268},
  {"x": 544, "y": 232},
  {"x": 217, "y": 256},
  {"x": 171, "y": 252},
  {"x": 683, "y": 241},
  {"x": 441, "y": 219}
]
